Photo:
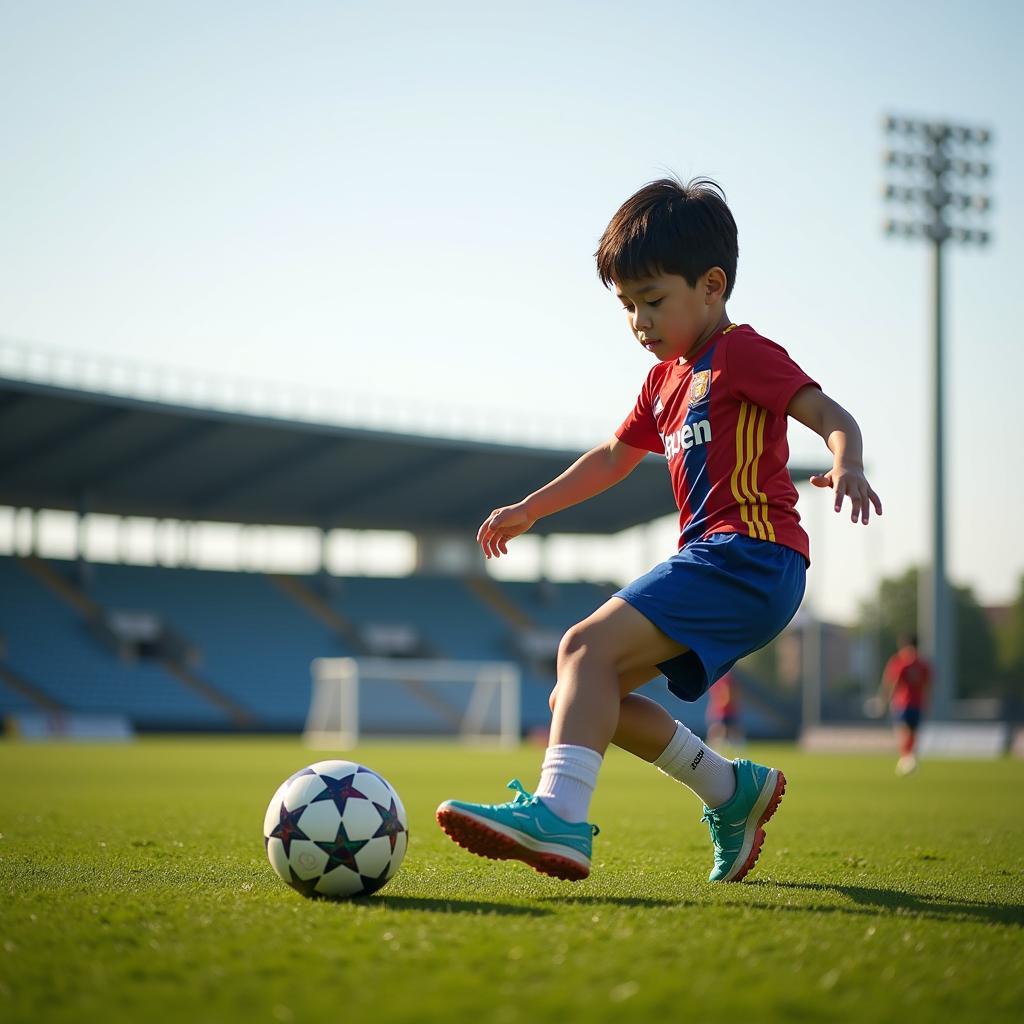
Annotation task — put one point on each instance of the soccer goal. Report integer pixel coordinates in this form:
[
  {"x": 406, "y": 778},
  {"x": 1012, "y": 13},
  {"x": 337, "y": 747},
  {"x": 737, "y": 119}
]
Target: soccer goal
[{"x": 354, "y": 697}]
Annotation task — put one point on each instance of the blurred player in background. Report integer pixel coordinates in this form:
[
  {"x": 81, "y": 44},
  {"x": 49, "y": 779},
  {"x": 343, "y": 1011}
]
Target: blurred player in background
[
  {"x": 715, "y": 405},
  {"x": 723, "y": 713},
  {"x": 906, "y": 681}
]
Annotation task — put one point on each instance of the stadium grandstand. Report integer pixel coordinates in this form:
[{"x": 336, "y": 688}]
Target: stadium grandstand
[{"x": 175, "y": 647}]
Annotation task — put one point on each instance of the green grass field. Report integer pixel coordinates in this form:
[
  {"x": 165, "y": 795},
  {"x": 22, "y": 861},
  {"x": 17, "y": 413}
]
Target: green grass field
[{"x": 134, "y": 887}]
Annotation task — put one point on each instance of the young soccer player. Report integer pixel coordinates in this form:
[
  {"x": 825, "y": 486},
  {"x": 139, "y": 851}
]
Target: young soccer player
[
  {"x": 715, "y": 404},
  {"x": 905, "y": 683}
]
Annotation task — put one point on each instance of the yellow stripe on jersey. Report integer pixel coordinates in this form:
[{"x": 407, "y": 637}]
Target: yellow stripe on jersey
[
  {"x": 752, "y": 502},
  {"x": 736, "y": 481},
  {"x": 753, "y": 474},
  {"x": 736, "y": 468},
  {"x": 748, "y": 489}
]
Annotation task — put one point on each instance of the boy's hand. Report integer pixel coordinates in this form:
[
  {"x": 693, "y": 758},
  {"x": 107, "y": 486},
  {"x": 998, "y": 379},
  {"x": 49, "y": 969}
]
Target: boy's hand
[
  {"x": 848, "y": 481},
  {"x": 500, "y": 527}
]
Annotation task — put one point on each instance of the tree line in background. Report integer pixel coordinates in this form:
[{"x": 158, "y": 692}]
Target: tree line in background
[
  {"x": 989, "y": 650},
  {"x": 989, "y": 646}
]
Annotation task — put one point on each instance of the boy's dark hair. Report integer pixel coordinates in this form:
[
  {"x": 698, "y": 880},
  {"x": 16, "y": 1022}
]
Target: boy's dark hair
[{"x": 670, "y": 228}]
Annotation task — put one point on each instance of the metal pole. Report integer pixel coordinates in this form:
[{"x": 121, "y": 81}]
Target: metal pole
[
  {"x": 947, "y": 157},
  {"x": 936, "y": 613}
]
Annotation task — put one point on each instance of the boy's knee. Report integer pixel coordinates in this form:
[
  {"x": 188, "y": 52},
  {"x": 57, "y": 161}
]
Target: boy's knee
[
  {"x": 553, "y": 697},
  {"x": 574, "y": 642}
]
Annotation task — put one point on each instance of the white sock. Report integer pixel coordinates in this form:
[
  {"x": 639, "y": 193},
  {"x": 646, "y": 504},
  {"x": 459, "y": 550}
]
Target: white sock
[
  {"x": 567, "y": 780},
  {"x": 698, "y": 767}
]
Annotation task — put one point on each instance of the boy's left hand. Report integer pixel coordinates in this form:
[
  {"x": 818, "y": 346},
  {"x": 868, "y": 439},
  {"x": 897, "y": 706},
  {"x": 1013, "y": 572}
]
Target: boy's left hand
[{"x": 850, "y": 481}]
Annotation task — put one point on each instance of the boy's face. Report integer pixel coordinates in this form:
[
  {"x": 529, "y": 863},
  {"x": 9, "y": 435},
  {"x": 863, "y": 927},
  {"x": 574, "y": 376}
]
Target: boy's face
[{"x": 668, "y": 316}]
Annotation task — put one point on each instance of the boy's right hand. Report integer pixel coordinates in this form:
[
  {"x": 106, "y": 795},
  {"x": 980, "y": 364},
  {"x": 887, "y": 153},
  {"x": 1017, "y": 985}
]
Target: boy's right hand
[{"x": 500, "y": 527}]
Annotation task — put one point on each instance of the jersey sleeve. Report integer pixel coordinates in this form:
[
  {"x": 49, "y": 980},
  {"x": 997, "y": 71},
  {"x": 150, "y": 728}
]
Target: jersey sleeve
[
  {"x": 892, "y": 670},
  {"x": 639, "y": 429},
  {"x": 761, "y": 372}
]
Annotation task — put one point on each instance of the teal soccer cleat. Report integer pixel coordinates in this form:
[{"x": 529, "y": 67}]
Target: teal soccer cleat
[
  {"x": 525, "y": 829},
  {"x": 736, "y": 826}
]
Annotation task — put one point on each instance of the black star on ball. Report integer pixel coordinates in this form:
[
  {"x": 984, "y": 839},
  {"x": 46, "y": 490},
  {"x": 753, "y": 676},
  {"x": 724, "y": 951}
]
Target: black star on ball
[
  {"x": 288, "y": 829},
  {"x": 338, "y": 790},
  {"x": 390, "y": 826},
  {"x": 371, "y": 884},
  {"x": 307, "y": 886},
  {"x": 342, "y": 850}
]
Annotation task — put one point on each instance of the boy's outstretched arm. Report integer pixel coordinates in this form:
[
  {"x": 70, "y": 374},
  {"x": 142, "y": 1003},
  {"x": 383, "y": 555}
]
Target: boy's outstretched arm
[
  {"x": 814, "y": 409},
  {"x": 590, "y": 474}
]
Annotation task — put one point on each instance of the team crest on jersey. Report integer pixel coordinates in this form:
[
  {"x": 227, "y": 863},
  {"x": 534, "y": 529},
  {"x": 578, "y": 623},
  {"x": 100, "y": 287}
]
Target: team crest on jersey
[{"x": 700, "y": 385}]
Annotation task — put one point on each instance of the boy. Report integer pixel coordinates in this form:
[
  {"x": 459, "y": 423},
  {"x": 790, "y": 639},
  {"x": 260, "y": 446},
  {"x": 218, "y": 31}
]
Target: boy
[
  {"x": 715, "y": 405},
  {"x": 905, "y": 683}
]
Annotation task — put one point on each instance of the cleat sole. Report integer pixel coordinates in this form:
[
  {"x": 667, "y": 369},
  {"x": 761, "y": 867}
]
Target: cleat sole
[{"x": 474, "y": 836}]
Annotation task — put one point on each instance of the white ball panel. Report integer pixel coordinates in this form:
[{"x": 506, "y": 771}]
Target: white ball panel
[
  {"x": 320, "y": 821},
  {"x": 277, "y": 858},
  {"x": 374, "y": 857},
  {"x": 336, "y": 769},
  {"x": 361, "y": 819},
  {"x": 373, "y": 788},
  {"x": 307, "y": 859},
  {"x": 303, "y": 789},
  {"x": 340, "y": 882}
]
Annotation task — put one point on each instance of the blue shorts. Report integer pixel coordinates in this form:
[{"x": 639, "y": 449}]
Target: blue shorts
[
  {"x": 910, "y": 717},
  {"x": 724, "y": 597}
]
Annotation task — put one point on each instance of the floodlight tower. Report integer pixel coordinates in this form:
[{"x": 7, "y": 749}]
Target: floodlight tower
[{"x": 939, "y": 171}]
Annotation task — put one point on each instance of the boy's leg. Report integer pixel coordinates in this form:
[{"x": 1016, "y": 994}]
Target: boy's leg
[
  {"x": 908, "y": 738},
  {"x": 649, "y": 731},
  {"x": 600, "y": 662},
  {"x": 610, "y": 645}
]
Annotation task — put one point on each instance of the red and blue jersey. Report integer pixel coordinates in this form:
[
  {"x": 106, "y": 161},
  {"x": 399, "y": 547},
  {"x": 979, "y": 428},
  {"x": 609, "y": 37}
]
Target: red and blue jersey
[
  {"x": 720, "y": 421},
  {"x": 910, "y": 676}
]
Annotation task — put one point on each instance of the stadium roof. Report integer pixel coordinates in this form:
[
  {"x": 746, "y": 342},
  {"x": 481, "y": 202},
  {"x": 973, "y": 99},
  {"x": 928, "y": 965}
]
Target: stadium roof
[{"x": 69, "y": 449}]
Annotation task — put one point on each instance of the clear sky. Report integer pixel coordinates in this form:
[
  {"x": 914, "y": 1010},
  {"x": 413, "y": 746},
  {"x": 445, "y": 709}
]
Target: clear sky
[{"x": 401, "y": 201}]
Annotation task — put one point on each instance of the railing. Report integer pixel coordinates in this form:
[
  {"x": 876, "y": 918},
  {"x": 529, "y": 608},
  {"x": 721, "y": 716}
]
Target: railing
[{"x": 156, "y": 382}]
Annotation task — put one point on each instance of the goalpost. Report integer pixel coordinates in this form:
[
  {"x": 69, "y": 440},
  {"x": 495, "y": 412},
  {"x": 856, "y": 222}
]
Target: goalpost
[{"x": 475, "y": 700}]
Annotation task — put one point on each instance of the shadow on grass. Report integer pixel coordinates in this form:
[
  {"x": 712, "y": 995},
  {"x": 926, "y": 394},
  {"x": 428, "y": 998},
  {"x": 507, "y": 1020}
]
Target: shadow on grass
[
  {"x": 615, "y": 901},
  {"x": 895, "y": 902},
  {"x": 450, "y": 906}
]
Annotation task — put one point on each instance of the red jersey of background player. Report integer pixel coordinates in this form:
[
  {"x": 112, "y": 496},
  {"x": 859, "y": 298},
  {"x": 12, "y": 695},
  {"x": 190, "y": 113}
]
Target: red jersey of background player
[
  {"x": 909, "y": 676},
  {"x": 723, "y": 700},
  {"x": 720, "y": 420}
]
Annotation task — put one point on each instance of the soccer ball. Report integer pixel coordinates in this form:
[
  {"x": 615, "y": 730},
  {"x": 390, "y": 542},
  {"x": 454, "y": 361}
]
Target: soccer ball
[{"x": 335, "y": 829}]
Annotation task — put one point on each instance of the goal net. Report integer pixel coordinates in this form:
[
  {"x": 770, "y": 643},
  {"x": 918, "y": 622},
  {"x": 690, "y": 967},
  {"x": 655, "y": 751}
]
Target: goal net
[{"x": 356, "y": 697}]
